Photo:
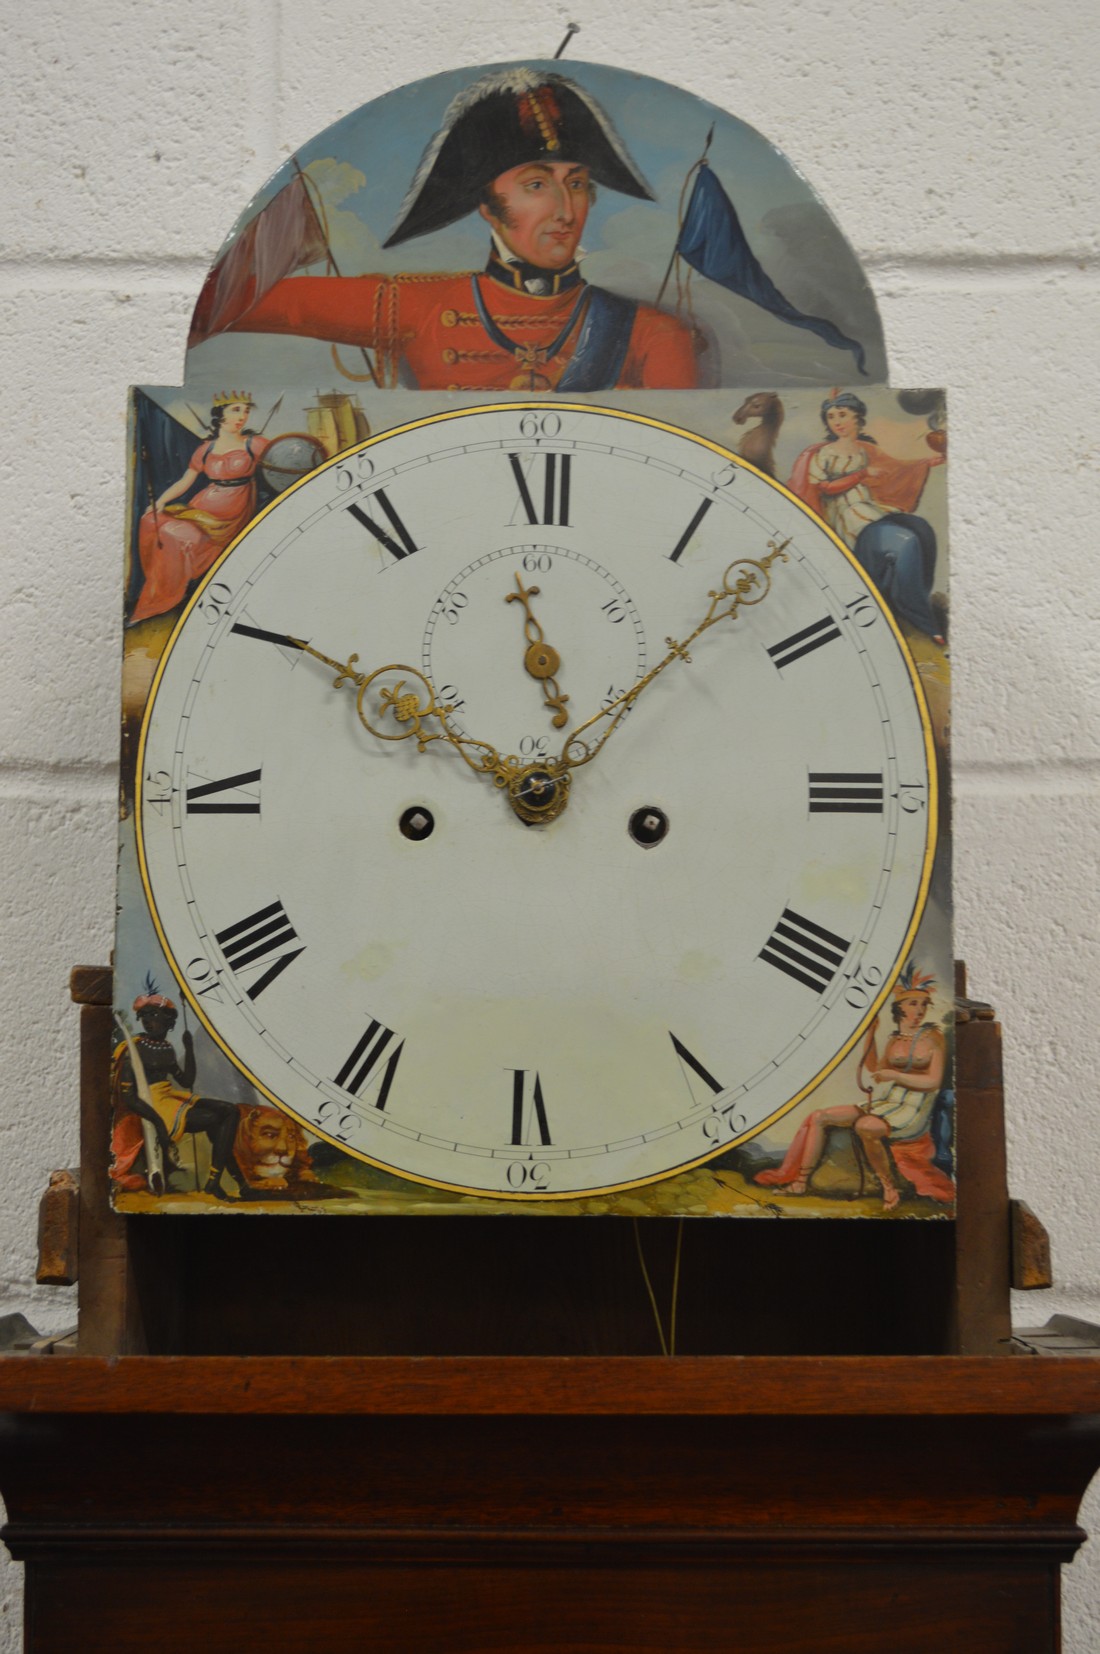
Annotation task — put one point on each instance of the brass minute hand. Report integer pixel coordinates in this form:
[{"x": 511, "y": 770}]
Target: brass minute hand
[{"x": 747, "y": 581}]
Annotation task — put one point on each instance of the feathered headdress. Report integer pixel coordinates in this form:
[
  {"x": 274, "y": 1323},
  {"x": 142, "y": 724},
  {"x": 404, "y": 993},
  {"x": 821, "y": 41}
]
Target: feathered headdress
[
  {"x": 152, "y": 997},
  {"x": 911, "y": 981}
]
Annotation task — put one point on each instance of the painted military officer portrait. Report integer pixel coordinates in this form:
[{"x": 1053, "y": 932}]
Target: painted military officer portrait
[{"x": 676, "y": 251}]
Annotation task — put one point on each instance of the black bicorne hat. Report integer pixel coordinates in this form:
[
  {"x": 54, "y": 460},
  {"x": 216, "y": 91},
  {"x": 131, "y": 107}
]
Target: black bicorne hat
[{"x": 505, "y": 120}]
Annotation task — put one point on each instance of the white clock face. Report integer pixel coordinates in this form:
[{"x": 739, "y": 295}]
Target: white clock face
[{"x": 384, "y": 947}]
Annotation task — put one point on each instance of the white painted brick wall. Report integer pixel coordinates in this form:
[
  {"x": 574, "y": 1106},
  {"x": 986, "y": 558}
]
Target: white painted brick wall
[{"x": 957, "y": 144}]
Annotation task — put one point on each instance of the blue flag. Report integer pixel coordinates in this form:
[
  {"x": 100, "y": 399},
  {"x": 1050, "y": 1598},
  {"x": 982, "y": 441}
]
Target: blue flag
[{"x": 713, "y": 242}]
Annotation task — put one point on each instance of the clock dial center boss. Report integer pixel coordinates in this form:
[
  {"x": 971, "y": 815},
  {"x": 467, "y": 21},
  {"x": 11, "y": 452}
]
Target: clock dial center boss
[{"x": 529, "y": 893}]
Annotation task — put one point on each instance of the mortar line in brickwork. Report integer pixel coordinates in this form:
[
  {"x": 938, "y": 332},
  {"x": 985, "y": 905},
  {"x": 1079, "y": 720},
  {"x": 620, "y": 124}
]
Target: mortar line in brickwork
[
  {"x": 93, "y": 781},
  {"x": 105, "y": 273},
  {"x": 1021, "y": 777},
  {"x": 963, "y": 270}
]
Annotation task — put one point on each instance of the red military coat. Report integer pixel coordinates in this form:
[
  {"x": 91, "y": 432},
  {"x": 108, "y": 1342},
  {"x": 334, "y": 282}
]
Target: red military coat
[{"x": 431, "y": 323}]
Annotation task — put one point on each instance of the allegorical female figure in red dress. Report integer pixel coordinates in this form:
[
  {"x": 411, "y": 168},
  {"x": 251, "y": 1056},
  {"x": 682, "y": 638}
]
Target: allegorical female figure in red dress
[{"x": 178, "y": 543}]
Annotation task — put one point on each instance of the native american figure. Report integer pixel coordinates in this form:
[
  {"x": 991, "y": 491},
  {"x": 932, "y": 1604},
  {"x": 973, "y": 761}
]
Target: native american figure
[{"x": 900, "y": 1086}]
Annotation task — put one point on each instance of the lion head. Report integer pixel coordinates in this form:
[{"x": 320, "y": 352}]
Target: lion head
[{"x": 271, "y": 1149}]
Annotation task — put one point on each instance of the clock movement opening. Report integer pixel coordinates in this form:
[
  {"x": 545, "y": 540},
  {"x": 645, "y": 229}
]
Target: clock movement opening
[
  {"x": 417, "y": 823},
  {"x": 648, "y": 826}
]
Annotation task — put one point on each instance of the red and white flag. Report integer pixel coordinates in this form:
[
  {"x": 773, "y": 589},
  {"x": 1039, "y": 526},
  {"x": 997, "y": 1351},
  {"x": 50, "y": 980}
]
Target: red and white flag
[{"x": 284, "y": 236}]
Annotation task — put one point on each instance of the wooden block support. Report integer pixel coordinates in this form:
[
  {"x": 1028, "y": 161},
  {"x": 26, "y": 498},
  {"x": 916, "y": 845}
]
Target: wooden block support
[
  {"x": 1031, "y": 1267},
  {"x": 109, "y": 1316},
  {"x": 982, "y": 1235},
  {"x": 59, "y": 1231}
]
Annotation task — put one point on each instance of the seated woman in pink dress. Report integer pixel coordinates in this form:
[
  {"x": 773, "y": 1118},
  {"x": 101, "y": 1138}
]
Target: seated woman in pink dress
[{"x": 178, "y": 543}]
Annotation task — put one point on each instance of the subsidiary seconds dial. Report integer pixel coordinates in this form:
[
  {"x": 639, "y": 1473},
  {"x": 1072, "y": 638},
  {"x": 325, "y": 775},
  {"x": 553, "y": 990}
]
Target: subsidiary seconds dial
[
  {"x": 474, "y": 619},
  {"x": 550, "y": 609}
]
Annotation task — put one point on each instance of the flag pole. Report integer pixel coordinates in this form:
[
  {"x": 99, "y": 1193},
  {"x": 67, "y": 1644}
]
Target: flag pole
[
  {"x": 692, "y": 170},
  {"x": 372, "y": 372}
]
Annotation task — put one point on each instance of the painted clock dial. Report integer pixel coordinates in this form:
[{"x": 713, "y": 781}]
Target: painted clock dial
[{"x": 371, "y": 932}]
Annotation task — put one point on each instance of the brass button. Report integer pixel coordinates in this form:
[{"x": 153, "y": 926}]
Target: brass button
[
  {"x": 450, "y": 357},
  {"x": 449, "y": 318}
]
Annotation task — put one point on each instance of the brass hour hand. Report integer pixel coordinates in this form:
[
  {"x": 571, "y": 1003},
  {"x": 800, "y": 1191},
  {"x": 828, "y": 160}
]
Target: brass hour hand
[
  {"x": 540, "y": 659},
  {"x": 405, "y": 708},
  {"x": 410, "y": 701}
]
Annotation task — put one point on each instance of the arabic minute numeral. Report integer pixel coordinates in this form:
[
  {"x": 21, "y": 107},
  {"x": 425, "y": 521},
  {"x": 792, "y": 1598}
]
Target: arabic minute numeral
[
  {"x": 540, "y": 425},
  {"x": 864, "y": 981},
  {"x": 215, "y": 601},
  {"x": 451, "y": 606},
  {"x": 203, "y": 978},
  {"x": 725, "y": 1124},
  {"x": 528, "y": 1174},
  {"x": 359, "y": 469},
  {"x": 863, "y": 610},
  {"x": 340, "y": 1123},
  {"x": 449, "y": 696},
  {"x": 158, "y": 790}
]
